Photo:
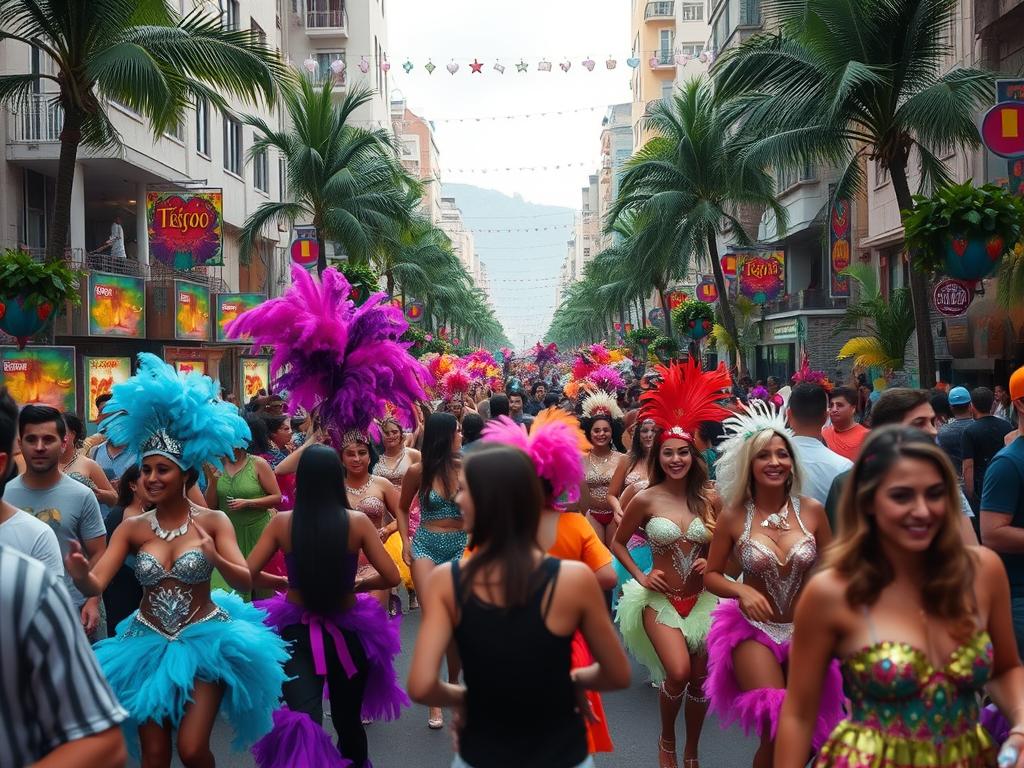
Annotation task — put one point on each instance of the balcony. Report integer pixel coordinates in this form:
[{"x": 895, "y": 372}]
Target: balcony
[
  {"x": 38, "y": 121},
  {"x": 807, "y": 299},
  {"x": 665, "y": 60},
  {"x": 327, "y": 21},
  {"x": 82, "y": 261},
  {"x": 660, "y": 9}
]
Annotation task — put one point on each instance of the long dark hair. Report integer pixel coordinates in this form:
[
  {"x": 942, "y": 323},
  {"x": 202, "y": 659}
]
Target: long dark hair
[
  {"x": 637, "y": 453},
  {"x": 320, "y": 526},
  {"x": 507, "y": 499},
  {"x": 616, "y": 425},
  {"x": 438, "y": 458},
  {"x": 260, "y": 442},
  {"x": 125, "y": 494}
]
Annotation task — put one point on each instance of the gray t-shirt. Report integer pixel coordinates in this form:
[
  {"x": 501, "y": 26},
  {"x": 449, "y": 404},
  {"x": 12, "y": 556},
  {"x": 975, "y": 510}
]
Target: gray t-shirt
[
  {"x": 69, "y": 508},
  {"x": 33, "y": 538}
]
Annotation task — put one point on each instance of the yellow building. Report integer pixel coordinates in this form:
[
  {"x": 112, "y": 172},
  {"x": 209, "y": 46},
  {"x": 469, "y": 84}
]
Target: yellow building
[{"x": 653, "y": 29}]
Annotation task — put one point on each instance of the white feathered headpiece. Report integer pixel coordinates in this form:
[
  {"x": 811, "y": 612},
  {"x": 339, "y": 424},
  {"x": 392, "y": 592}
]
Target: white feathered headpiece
[
  {"x": 733, "y": 467},
  {"x": 601, "y": 404}
]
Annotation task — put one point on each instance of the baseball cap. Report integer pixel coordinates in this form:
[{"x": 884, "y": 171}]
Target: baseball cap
[
  {"x": 960, "y": 395},
  {"x": 1017, "y": 384}
]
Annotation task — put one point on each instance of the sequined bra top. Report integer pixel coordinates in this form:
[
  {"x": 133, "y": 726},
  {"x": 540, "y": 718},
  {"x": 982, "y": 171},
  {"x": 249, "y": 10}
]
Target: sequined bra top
[
  {"x": 928, "y": 713},
  {"x": 782, "y": 578},
  {"x": 191, "y": 567},
  {"x": 393, "y": 475},
  {"x": 599, "y": 477},
  {"x": 637, "y": 479},
  {"x": 375, "y": 509},
  {"x": 666, "y": 538},
  {"x": 169, "y": 602},
  {"x": 436, "y": 507}
]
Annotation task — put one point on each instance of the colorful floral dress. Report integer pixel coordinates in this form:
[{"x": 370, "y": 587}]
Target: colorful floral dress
[{"x": 906, "y": 713}]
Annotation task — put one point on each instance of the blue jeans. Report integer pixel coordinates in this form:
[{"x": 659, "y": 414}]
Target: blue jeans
[
  {"x": 1017, "y": 609},
  {"x": 458, "y": 762}
]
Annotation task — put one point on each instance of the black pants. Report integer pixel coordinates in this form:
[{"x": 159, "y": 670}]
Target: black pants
[{"x": 305, "y": 693}]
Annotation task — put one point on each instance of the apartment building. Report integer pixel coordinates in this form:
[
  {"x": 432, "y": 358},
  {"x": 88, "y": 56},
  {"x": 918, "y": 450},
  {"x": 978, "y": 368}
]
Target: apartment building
[
  {"x": 733, "y": 21},
  {"x": 419, "y": 155},
  {"x": 616, "y": 149},
  {"x": 463, "y": 242}
]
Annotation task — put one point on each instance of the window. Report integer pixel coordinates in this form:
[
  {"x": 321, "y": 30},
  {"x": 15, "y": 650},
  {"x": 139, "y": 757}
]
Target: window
[
  {"x": 230, "y": 14},
  {"x": 232, "y": 146},
  {"x": 788, "y": 177},
  {"x": 750, "y": 13},
  {"x": 176, "y": 132},
  {"x": 693, "y": 49},
  {"x": 666, "y": 90},
  {"x": 261, "y": 171},
  {"x": 203, "y": 127},
  {"x": 282, "y": 179},
  {"x": 257, "y": 32},
  {"x": 323, "y": 67},
  {"x": 693, "y": 11},
  {"x": 665, "y": 42},
  {"x": 881, "y": 174}
]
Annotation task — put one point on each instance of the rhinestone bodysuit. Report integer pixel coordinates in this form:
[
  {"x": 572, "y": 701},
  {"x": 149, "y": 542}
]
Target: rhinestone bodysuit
[
  {"x": 167, "y": 597},
  {"x": 783, "y": 578},
  {"x": 666, "y": 538}
]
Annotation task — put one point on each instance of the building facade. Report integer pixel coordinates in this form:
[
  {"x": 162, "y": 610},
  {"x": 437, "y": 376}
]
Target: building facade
[
  {"x": 463, "y": 242},
  {"x": 419, "y": 155}
]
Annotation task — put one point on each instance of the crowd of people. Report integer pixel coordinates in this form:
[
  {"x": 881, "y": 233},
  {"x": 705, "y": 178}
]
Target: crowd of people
[{"x": 789, "y": 564}]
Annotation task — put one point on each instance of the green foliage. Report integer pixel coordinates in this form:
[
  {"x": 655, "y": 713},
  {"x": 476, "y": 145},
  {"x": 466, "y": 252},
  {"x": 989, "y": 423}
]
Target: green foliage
[
  {"x": 691, "y": 309},
  {"x": 887, "y": 320},
  {"x": 362, "y": 279},
  {"x": 424, "y": 343},
  {"x": 641, "y": 337},
  {"x": 962, "y": 210},
  {"x": 40, "y": 282},
  {"x": 665, "y": 348}
]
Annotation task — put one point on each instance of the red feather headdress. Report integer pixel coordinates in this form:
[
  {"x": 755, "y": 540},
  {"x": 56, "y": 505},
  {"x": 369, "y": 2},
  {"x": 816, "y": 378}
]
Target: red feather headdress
[{"x": 685, "y": 397}]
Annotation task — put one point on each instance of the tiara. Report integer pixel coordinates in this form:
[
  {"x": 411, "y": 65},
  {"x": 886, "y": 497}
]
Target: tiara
[
  {"x": 354, "y": 436},
  {"x": 601, "y": 404},
  {"x": 161, "y": 443}
]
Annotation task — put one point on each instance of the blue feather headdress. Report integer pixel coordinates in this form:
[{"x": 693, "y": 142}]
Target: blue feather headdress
[{"x": 161, "y": 411}]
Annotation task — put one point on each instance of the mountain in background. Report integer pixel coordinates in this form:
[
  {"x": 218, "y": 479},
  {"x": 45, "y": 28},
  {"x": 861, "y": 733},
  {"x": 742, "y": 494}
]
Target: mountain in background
[{"x": 522, "y": 264}]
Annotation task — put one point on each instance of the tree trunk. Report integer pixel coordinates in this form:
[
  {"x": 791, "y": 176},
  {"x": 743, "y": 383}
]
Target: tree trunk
[
  {"x": 321, "y": 244},
  {"x": 70, "y": 138},
  {"x": 643, "y": 312},
  {"x": 918, "y": 289},
  {"x": 622, "y": 320},
  {"x": 391, "y": 285},
  {"x": 665, "y": 309},
  {"x": 728, "y": 318}
]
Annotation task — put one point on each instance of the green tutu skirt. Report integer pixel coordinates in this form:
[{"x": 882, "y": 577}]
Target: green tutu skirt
[{"x": 630, "y": 617}]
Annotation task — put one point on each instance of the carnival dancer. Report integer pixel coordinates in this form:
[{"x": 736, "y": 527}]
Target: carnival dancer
[
  {"x": 920, "y": 621},
  {"x": 392, "y": 465},
  {"x": 441, "y": 536},
  {"x": 629, "y": 479},
  {"x": 186, "y": 653},
  {"x": 602, "y": 424},
  {"x": 335, "y": 633},
  {"x": 512, "y": 612},
  {"x": 664, "y": 615},
  {"x": 775, "y": 535},
  {"x": 553, "y": 444},
  {"x": 344, "y": 365}
]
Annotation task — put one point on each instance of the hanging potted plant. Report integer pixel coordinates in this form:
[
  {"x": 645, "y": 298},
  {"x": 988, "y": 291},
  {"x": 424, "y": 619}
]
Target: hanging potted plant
[
  {"x": 694, "y": 318},
  {"x": 362, "y": 279},
  {"x": 31, "y": 291},
  {"x": 962, "y": 230},
  {"x": 665, "y": 348}
]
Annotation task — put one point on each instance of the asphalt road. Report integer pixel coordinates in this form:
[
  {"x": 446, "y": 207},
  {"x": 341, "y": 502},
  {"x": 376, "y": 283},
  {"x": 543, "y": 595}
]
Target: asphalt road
[{"x": 632, "y": 714}]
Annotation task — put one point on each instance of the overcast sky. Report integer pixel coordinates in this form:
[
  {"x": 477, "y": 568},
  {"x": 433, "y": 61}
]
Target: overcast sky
[{"x": 529, "y": 30}]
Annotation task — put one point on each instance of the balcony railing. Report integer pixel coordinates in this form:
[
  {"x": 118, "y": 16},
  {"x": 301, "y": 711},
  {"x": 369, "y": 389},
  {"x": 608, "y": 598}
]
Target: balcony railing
[
  {"x": 37, "y": 121},
  {"x": 335, "y": 18},
  {"x": 809, "y": 298},
  {"x": 660, "y": 9},
  {"x": 79, "y": 259}
]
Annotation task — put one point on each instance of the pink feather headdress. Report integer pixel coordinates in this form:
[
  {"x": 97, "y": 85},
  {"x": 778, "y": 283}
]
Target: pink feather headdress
[
  {"x": 342, "y": 360},
  {"x": 555, "y": 445}
]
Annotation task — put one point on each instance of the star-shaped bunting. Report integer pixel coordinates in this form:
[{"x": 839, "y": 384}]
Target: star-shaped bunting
[
  {"x": 522, "y": 66},
  {"x": 477, "y": 67}
]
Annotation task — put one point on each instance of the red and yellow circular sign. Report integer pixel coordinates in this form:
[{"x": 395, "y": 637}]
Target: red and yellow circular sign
[{"x": 1002, "y": 129}]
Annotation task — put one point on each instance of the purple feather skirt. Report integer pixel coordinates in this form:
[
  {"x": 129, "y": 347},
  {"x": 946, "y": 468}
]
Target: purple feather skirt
[
  {"x": 298, "y": 742},
  {"x": 757, "y": 710}
]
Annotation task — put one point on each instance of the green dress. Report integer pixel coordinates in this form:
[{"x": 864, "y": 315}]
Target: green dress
[{"x": 249, "y": 523}]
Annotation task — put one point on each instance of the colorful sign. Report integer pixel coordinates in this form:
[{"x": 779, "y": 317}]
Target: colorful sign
[
  {"x": 840, "y": 243},
  {"x": 255, "y": 376},
  {"x": 1002, "y": 129},
  {"x": 675, "y": 298},
  {"x": 729, "y": 265},
  {"x": 952, "y": 297},
  {"x": 101, "y": 374},
  {"x": 117, "y": 306},
  {"x": 186, "y": 228},
  {"x": 762, "y": 275},
  {"x": 230, "y": 306},
  {"x": 305, "y": 251},
  {"x": 707, "y": 291},
  {"x": 42, "y": 375},
  {"x": 190, "y": 366},
  {"x": 414, "y": 311},
  {"x": 191, "y": 311}
]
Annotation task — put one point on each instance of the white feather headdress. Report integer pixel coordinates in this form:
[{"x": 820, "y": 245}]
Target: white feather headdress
[
  {"x": 733, "y": 466},
  {"x": 601, "y": 403}
]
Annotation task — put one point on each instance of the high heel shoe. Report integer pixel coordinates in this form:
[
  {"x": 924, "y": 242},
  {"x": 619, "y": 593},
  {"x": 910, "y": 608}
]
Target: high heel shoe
[
  {"x": 667, "y": 754},
  {"x": 435, "y": 719}
]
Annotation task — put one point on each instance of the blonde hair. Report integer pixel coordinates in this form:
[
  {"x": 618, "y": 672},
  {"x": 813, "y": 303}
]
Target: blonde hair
[{"x": 740, "y": 489}]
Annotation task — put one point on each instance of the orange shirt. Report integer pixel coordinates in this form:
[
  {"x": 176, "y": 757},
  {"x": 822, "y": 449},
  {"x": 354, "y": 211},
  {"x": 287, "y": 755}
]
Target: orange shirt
[
  {"x": 575, "y": 539},
  {"x": 846, "y": 443}
]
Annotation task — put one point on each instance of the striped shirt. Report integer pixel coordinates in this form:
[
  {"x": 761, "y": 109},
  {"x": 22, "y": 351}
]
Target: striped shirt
[{"x": 51, "y": 688}]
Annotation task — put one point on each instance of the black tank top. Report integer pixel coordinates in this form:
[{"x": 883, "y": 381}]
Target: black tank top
[{"x": 520, "y": 704}]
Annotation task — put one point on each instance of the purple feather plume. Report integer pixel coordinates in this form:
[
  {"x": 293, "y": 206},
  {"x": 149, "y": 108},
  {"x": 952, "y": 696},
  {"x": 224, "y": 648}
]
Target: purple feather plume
[{"x": 343, "y": 360}]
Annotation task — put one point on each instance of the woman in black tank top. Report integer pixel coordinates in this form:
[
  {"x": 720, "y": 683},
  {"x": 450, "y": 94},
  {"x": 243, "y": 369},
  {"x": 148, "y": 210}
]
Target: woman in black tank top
[{"x": 512, "y": 612}]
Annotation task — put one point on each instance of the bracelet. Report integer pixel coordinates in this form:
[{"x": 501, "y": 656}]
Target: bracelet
[{"x": 1017, "y": 730}]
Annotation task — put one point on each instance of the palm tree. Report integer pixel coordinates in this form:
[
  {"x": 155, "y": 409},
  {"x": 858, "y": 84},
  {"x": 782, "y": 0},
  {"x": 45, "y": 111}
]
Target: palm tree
[
  {"x": 747, "y": 314},
  {"x": 842, "y": 80},
  {"x": 342, "y": 179},
  {"x": 889, "y": 322},
  {"x": 140, "y": 53},
  {"x": 684, "y": 185}
]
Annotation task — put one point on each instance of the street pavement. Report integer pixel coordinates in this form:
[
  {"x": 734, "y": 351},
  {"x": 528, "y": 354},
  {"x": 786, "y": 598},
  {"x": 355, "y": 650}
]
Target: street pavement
[{"x": 632, "y": 714}]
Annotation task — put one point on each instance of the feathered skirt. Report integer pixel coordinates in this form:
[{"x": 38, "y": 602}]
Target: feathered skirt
[
  {"x": 641, "y": 553},
  {"x": 153, "y": 677},
  {"x": 630, "y": 616},
  {"x": 757, "y": 710}
]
